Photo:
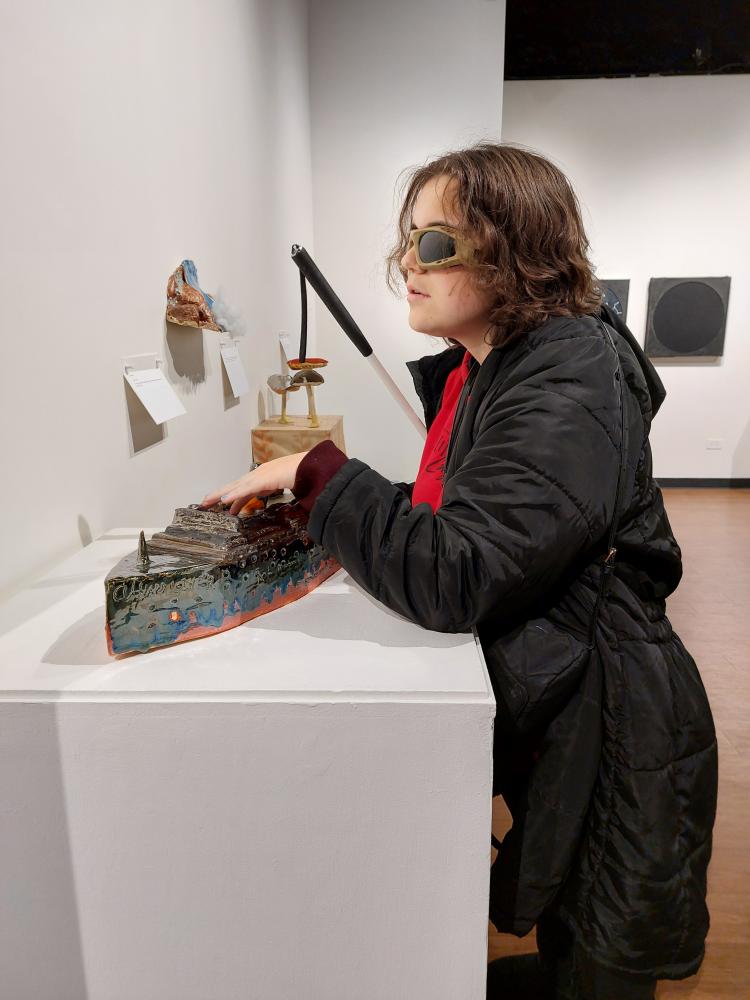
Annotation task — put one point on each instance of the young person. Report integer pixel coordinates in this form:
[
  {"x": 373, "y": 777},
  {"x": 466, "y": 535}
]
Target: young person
[{"x": 535, "y": 517}]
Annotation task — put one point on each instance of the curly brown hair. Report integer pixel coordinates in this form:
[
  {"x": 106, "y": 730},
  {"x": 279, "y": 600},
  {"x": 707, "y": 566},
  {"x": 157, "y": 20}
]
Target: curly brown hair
[{"x": 521, "y": 213}]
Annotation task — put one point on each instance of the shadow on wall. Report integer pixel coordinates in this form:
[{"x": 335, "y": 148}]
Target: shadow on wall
[
  {"x": 41, "y": 952},
  {"x": 84, "y": 531},
  {"x": 185, "y": 354},
  {"x": 144, "y": 431}
]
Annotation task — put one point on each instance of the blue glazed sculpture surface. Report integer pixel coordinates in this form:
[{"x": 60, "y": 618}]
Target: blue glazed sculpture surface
[{"x": 210, "y": 571}]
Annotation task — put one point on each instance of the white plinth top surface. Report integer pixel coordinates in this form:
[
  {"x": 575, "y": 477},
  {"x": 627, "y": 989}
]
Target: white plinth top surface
[{"x": 336, "y": 643}]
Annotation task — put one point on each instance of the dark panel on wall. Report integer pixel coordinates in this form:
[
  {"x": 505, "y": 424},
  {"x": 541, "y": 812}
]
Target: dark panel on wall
[
  {"x": 589, "y": 38},
  {"x": 686, "y": 317},
  {"x": 615, "y": 292}
]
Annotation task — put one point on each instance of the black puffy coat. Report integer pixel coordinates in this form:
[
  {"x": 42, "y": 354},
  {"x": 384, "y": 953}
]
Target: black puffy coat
[{"x": 607, "y": 758}]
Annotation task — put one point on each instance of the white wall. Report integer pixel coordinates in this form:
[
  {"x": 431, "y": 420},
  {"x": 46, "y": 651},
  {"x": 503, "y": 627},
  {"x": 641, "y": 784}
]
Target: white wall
[
  {"x": 135, "y": 135},
  {"x": 392, "y": 85},
  {"x": 662, "y": 167}
]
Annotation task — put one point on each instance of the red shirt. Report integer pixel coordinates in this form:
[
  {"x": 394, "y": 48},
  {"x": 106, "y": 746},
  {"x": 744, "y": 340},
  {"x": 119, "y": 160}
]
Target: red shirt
[{"x": 428, "y": 487}]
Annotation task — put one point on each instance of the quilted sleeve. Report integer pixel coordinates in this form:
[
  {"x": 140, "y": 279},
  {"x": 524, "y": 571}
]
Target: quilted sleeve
[{"x": 533, "y": 494}]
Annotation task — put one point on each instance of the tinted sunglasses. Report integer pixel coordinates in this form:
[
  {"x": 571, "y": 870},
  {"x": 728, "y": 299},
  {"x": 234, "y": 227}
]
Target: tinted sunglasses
[{"x": 439, "y": 246}]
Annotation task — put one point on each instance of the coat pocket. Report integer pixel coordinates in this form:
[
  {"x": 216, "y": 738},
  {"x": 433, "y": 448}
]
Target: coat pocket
[{"x": 534, "y": 669}]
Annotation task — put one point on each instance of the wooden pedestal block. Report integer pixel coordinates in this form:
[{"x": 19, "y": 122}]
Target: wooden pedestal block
[{"x": 272, "y": 439}]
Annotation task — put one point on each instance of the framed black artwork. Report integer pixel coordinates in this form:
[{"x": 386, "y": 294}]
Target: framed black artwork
[
  {"x": 686, "y": 317},
  {"x": 615, "y": 293}
]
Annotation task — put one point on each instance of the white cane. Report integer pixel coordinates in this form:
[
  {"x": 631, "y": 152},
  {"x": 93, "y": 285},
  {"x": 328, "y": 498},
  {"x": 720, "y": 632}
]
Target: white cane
[{"x": 309, "y": 271}]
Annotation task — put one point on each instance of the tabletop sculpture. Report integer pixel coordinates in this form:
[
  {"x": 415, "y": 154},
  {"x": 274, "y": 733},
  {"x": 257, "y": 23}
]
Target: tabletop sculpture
[
  {"x": 282, "y": 385},
  {"x": 209, "y": 571},
  {"x": 305, "y": 376}
]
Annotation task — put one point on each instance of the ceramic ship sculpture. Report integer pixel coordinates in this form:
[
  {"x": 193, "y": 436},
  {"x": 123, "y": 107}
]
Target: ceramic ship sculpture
[
  {"x": 187, "y": 303},
  {"x": 210, "y": 571}
]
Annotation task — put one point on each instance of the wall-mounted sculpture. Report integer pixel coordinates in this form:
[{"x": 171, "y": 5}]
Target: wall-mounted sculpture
[
  {"x": 686, "y": 317},
  {"x": 187, "y": 303}
]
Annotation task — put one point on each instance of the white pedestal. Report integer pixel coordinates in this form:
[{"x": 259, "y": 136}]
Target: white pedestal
[{"x": 296, "y": 808}]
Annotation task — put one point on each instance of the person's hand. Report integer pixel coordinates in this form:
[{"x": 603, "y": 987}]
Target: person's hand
[{"x": 267, "y": 478}]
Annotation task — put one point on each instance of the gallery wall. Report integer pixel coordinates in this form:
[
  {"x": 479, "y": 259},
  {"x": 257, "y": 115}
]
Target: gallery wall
[
  {"x": 661, "y": 167},
  {"x": 135, "y": 137},
  {"x": 392, "y": 85}
]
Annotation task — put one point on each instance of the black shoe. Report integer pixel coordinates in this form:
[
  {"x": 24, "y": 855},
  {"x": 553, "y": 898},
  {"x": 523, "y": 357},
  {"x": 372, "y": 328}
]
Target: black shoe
[{"x": 518, "y": 977}]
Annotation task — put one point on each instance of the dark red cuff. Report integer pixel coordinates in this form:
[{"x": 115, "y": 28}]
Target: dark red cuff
[{"x": 315, "y": 470}]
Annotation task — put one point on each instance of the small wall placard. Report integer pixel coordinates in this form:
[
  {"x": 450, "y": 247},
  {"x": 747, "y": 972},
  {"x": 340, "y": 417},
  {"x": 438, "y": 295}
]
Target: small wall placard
[
  {"x": 153, "y": 390},
  {"x": 234, "y": 368}
]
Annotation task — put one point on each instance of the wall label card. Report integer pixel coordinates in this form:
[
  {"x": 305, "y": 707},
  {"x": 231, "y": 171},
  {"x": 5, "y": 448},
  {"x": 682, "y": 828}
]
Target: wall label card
[
  {"x": 156, "y": 394},
  {"x": 235, "y": 370}
]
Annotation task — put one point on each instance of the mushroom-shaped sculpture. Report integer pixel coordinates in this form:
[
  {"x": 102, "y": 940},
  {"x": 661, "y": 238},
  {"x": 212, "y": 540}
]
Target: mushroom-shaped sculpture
[
  {"x": 281, "y": 385},
  {"x": 309, "y": 377},
  {"x": 307, "y": 367}
]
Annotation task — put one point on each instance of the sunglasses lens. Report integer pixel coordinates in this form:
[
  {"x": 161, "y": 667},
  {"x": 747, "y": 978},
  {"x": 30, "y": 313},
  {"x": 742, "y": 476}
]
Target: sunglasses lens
[{"x": 436, "y": 246}]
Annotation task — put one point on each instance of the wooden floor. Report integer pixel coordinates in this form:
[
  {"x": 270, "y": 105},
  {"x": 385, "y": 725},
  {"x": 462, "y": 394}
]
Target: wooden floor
[{"x": 711, "y": 613}]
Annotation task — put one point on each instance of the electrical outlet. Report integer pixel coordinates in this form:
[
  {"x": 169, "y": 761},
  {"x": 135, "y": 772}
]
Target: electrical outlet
[{"x": 714, "y": 444}]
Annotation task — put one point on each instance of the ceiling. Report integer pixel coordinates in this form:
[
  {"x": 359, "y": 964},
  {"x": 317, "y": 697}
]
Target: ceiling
[{"x": 586, "y": 38}]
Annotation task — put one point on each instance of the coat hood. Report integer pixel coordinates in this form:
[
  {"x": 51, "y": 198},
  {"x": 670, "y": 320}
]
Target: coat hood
[{"x": 655, "y": 385}]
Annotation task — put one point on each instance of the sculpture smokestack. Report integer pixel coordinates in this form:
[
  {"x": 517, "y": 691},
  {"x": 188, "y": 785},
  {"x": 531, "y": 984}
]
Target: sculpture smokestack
[{"x": 143, "y": 562}]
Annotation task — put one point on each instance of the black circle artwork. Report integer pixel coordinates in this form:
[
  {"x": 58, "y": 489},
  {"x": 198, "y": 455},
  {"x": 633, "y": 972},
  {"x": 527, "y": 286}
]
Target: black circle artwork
[{"x": 688, "y": 317}]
